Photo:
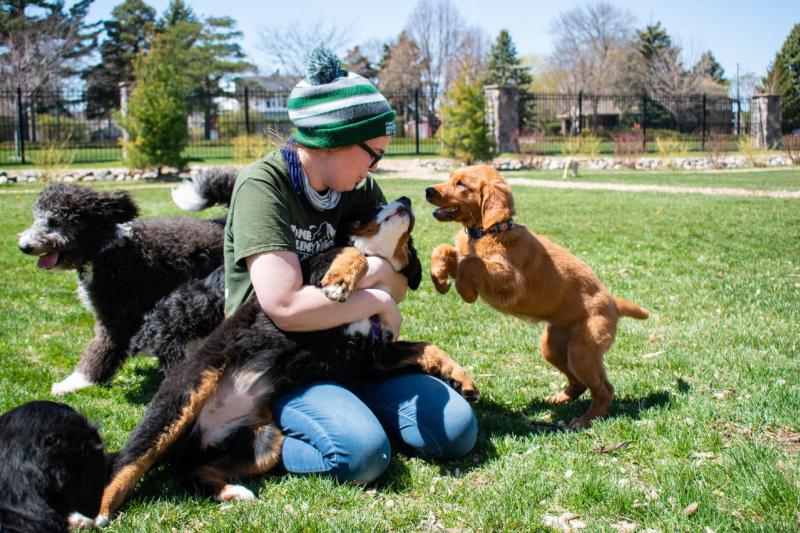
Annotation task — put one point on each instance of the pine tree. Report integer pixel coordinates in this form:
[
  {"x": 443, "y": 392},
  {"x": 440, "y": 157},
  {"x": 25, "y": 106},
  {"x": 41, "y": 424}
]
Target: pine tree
[
  {"x": 708, "y": 66},
  {"x": 463, "y": 132},
  {"x": 503, "y": 66},
  {"x": 785, "y": 77},
  {"x": 157, "y": 112},
  {"x": 127, "y": 33},
  {"x": 653, "y": 40}
]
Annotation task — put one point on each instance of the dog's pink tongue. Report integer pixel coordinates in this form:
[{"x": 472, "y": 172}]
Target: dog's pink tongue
[{"x": 48, "y": 261}]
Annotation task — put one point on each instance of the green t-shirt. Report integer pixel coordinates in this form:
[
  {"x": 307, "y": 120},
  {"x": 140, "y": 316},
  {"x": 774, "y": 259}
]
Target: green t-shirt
[{"x": 266, "y": 214}]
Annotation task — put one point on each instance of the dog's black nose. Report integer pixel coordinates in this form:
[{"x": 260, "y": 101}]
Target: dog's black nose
[
  {"x": 405, "y": 200},
  {"x": 430, "y": 193},
  {"x": 26, "y": 248}
]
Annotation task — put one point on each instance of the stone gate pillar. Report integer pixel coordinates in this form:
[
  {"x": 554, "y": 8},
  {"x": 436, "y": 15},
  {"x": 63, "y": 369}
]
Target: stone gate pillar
[
  {"x": 502, "y": 117},
  {"x": 765, "y": 120}
]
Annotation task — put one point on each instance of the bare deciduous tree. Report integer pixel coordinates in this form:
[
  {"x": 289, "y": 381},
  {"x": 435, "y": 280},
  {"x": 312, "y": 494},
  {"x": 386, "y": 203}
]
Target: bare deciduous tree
[
  {"x": 289, "y": 45},
  {"x": 590, "y": 47},
  {"x": 436, "y": 27}
]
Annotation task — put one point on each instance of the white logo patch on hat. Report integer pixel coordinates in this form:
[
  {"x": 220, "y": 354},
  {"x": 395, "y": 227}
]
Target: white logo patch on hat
[{"x": 391, "y": 127}]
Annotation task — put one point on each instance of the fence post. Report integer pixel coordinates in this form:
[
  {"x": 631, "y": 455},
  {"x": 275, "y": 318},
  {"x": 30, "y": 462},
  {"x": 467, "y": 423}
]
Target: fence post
[
  {"x": 20, "y": 128},
  {"x": 416, "y": 119},
  {"x": 644, "y": 122},
  {"x": 703, "y": 115},
  {"x": 247, "y": 109},
  {"x": 738, "y": 116},
  {"x": 580, "y": 112}
]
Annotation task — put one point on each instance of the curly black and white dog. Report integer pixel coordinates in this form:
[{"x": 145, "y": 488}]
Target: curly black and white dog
[
  {"x": 214, "y": 407},
  {"x": 52, "y": 467},
  {"x": 124, "y": 264}
]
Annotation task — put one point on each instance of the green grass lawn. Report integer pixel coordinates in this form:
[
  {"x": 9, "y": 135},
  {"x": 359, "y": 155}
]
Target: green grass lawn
[
  {"x": 765, "y": 179},
  {"x": 707, "y": 388}
]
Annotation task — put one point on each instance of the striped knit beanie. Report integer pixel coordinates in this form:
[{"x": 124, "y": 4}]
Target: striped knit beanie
[{"x": 332, "y": 107}]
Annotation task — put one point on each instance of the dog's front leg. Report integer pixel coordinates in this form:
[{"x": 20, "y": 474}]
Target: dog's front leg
[
  {"x": 444, "y": 265},
  {"x": 429, "y": 358},
  {"x": 101, "y": 359},
  {"x": 343, "y": 276}
]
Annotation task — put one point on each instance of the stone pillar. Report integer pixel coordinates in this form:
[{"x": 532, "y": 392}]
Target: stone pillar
[
  {"x": 502, "y": 117},
  {"x": 123, "y": 110},
  {"x": 765, "y": 120}
]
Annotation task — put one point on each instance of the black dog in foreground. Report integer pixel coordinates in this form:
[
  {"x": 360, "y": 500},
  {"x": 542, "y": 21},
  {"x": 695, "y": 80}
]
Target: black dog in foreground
[
  {"x": 212, "y": 410},
  {"x": 51, "y": 465},
  {"x": 124, "y": 264}
]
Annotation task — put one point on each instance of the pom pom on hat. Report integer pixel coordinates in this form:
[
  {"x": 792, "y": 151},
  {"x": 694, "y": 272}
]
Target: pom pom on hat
[{"x": 323, "y": 66}]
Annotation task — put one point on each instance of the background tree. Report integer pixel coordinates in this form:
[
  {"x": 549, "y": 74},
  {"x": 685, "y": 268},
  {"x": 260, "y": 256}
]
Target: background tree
[
  {"x": 156, "y": 120},
  {"x": 503, "y": 67},
  {"x": 127, "y": 33},
  {"x": 463, "y": 132},
  {"x": 652, "y": 41},
  {"x": 289, "y": 45},
  {"x": 436, "y": 27},
  {"x": 783, "y": 77},
  {"x": 400, "y": 76},
  {"x": 356, "y": 61},
  {"x": 42, "y": 43},
  {"x": 592, "y": 46}
]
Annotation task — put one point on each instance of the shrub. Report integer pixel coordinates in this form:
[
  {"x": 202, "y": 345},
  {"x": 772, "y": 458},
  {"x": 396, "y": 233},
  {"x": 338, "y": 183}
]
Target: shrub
[
  {"x": 248, "y": 148},
  {"x": 52, "y": 156},
  {"x": 628, "y": 143},
  {"x": 587, "y": 144},
  {"x": 747, "y": 147},
  {"x": 717, "y": 144},
  {"x": 791, "y": 144},
  {"x": 463, "y": 133},
  {"x": 671, "y": 144}
]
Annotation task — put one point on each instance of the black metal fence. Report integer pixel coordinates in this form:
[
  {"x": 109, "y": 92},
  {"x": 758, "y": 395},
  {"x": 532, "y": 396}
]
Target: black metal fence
[
  {"x": 80, "y": 128},
  {"x": 624, "y": 123}
]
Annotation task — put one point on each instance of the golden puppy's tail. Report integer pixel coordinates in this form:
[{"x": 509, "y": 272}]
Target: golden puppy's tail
[{"x": 626, "y": 308}]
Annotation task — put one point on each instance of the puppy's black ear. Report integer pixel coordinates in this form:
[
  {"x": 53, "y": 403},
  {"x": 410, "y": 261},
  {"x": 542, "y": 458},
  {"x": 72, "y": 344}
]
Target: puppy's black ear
[
  {"x": 413, "y": 271},
  {"x": 117, "y": 206}
]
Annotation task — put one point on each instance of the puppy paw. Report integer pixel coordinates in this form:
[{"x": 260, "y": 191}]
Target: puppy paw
[
  {"x": 77, "y": 521},
  {"x": 235, "y": 493},
  {"x": 463, "y": 384},
  {"x": 73, "y": 382},
  {"x": 559, "y": 398},
  {"x": 468, "y": 293},
  {"x": 101, "y": 520},
  {"x": 580, "y": 423},
  {"x": 338, "y": 292},
  {"x": 441, "y": 282}
]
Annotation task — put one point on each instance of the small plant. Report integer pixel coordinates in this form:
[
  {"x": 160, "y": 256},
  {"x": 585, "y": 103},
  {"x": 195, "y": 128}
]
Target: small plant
[
  {"x": 670, "y": 145},
  {"x": 534, "y": 144},
  {"x": 585, "y": 144},
  {"x": 747, "y": 147},
  {"x": 248, "y": 148},
  {"x": 463, "y": 133},
  {"x": 53, "y": 156},
  {"x": 717, "y": 144},
  {"x": 628, "y": 143},
  {"x": 791, "y": 143}
]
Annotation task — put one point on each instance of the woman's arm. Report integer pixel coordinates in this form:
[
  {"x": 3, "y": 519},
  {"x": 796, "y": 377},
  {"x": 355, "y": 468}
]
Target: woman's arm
[{"x": 278, "y": 284}]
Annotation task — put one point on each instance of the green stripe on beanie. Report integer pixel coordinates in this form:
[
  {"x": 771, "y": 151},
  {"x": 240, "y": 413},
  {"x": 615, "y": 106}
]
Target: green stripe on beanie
[{"x": 333, "y": 107}]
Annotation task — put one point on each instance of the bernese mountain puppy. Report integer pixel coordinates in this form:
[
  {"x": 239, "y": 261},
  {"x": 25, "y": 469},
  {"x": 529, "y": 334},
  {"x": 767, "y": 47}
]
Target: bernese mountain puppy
[
  {"x": 52, "y": 467},
  {"x": 213, "y": 409}
]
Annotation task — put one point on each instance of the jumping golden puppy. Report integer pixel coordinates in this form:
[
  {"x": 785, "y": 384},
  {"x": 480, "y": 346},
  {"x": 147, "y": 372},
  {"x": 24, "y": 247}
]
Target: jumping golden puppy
[{"x": 531, "y": 277}]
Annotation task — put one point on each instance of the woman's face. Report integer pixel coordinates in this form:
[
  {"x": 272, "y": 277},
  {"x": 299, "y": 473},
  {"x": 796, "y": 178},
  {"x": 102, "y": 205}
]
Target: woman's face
[{"x": 349, "y": 166}]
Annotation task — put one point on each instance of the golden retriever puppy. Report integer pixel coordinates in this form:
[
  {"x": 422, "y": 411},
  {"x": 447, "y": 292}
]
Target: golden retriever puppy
[{"x": 528, "y": 276}]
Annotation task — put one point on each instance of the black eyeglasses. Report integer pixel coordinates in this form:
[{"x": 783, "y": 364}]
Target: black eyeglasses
[{"x": 371, "y": 152}]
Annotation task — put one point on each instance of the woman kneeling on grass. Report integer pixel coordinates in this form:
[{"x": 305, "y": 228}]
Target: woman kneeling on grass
[{"x": 285, "y": 208}]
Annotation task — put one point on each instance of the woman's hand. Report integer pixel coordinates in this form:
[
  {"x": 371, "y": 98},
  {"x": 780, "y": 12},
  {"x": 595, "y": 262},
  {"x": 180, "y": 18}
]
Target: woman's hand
[{"x": 381, "y": 275}]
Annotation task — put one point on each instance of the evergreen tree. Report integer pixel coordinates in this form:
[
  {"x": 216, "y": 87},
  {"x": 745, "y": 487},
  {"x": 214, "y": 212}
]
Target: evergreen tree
[
  {"x": 708, "y": 66},
  {"x": 357, "y": 62},
  {"x": 463, "y": 132},
  {"x": 653, "y": 40},
  {"x": 503, "y": 66},
  {"x": 127, "y": 33},
  {"x": 784, "y": 74},
  {"x": 157, "y": 111}
]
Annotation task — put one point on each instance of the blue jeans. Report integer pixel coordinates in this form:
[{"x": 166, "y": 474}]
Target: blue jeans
[{"x": 343, "y": 431}]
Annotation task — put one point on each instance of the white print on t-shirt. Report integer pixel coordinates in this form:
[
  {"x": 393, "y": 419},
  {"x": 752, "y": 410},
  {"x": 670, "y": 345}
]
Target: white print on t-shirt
[{"x": 314, "y": 239}]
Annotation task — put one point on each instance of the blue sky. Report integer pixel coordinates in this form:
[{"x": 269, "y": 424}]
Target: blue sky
[{"x": 744, "y": 32}]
